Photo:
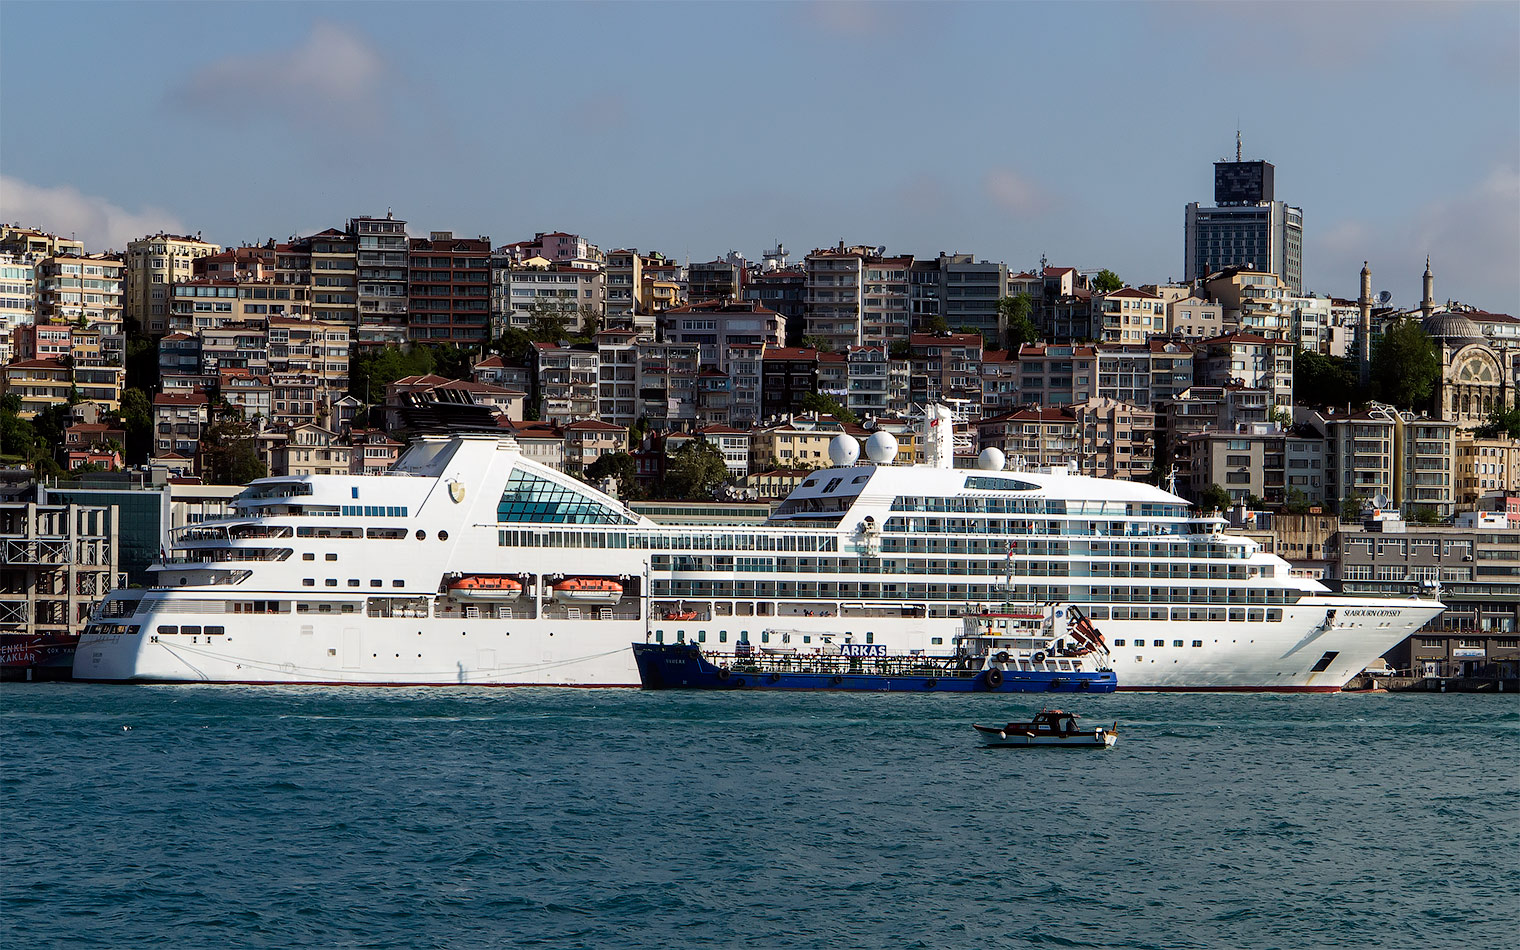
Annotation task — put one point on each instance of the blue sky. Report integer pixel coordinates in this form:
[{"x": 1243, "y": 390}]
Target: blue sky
[{"x": 1074, "y": 130}]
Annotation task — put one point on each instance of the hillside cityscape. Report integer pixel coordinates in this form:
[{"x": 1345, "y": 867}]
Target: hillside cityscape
[{"x": 179, "y": 362}]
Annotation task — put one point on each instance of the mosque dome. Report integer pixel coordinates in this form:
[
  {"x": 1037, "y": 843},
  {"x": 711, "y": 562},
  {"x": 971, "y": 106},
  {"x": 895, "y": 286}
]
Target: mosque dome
[{"x": 1452, "y": 328}]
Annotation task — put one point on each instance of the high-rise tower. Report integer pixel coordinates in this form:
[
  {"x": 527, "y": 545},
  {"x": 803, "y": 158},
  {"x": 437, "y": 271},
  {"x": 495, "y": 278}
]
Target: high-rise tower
[
  {"x": 1364, "y": 327},
  {"x": 1247, "y": 226}
]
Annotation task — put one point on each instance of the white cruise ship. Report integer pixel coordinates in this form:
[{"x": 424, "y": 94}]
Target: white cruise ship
[{"x": 471, "y": 564}]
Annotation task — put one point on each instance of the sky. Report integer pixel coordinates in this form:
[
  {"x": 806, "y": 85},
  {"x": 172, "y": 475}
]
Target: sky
[{"x": 1073, "y": 131}]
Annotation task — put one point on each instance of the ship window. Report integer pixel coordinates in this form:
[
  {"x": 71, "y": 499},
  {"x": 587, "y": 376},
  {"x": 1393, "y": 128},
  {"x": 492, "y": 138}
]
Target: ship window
[
  {"x": 353, "y": 582},
  {"x": 832, "y": 484},
  {"x": 376, "y": 582},
  {"x": 332, "y": 557},
  {"x": 1197, "y": 643},
  {"x": 1176, "y": 643},
  {"x": 807, "y": 639},
  {"x": 722, "y": 636},
  {"x": 308, "y": 582},
  {"x": 168, "y": 631},
  {"x": 659, "y": 636},
  {"x": 1254, "y": 614},
  {"x": 765, "y": 636},
  {"x": 530, "y": 497},
  {"x": 355, "y": 490},
  {"x": 870, "y": 637},
  {"x": 1274, "y": 615},
  {"x": 1325, "y": 661},
  {"x": 936, "y": 640},
  {"x": 216, "y": 631},
  {"x": 1158, "y": 643},
  {"x": 1237, "y": 613},
  {"x": 190, "y": 631},
  {"x": 701, "y": 636},
  {"x": 308, "y": 556},
  {"x": 330, "y": 581},
  {"x": 303, "y": 608},
  {"x": 443, "y": 535},
  {"x": 421, "y": 535},
  {"x": 398, "y": 583},
  {"x": 1118, "y": 643}
]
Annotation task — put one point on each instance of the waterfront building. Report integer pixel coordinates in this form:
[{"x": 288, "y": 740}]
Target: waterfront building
[
  {"x": 56, "y": 561},
  {"x": 587, "y": 440},
  {"x": 381, "y": 257},
  {"x": 449, "y": 280},
  {"x": 138, "y": 520},
  {"x": 1247, "y": 226},
  {"x": 153, "y": 264}
]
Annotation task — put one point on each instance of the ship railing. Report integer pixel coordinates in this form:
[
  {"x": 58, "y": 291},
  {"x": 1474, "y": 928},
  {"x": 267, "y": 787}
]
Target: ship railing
[{"x": 839, "y": 664}]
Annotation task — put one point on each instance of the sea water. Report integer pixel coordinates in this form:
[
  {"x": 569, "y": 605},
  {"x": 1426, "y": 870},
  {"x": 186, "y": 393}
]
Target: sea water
[{"x": 201, "y": 816}]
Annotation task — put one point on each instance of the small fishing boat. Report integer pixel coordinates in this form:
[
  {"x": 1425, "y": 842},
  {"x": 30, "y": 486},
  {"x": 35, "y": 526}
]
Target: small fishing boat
[
  {"x": 485, "y": 587},
  {"x": 1051, "y": 728},
  {"x": 587, "y": 590}
]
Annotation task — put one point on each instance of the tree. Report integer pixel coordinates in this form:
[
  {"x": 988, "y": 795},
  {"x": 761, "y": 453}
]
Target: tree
[
  {"x": 1321, "y": 381},
  {"x": 1213, "y": 497},
  {"x": 1405, "y": 366},
  {"x": 1014, "y": 313},
  {"x": 142, "y": 363},
  {"x": 618, "y": 465},
  {"x": 821, "y": 344},
  {"x": 369, "y": 373},
  {"x": 1426, "y": 515},
  {"x": 934, "y": 323},
  {"x": 900, "y": 350},
  {"x": 695, "y": 471},
  {"x": 229, "y": 453},
  {"x": 549, "y": 321},
  {"x": 827, "y": 406},
  {"x": 1106, "y": 281},
  {"x": 136, "y": 417},
  {"x": 1501, "y": 421},
  {"x": 1297, "y": 502}
]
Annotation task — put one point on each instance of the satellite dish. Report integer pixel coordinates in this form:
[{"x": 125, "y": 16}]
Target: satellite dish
[
  {"x": 881, "y": 448},
  {"x": 1380, "y": 500},
  {"x": 844, "y": 450},
  {"x": 1385, "y": 298}
]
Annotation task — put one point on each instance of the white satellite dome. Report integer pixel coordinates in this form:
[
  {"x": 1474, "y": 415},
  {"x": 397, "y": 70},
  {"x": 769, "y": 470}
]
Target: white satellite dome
[
  {"x": 881, "y": 448},
  {"x": 844, "y": 450},
  {"x": 991, "y": 460}
]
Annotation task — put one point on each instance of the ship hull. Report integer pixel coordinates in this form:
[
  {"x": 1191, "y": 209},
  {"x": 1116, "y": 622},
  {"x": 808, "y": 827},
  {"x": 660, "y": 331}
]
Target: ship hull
[
  {"x": 677, "y": 666},
  {"x": 40, "y": 657},
  {"x": 1296, "y": 654}
]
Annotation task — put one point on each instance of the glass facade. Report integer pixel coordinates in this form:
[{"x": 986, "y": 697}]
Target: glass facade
[
  {"x": 144, "y": 524},
  {"x": 531, "y": 498}
]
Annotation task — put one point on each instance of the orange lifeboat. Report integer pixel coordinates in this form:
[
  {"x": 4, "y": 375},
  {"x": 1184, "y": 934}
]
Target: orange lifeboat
[
  {"x": 480, "y": 587},
  {"x": 680, "y": 615},
  {"x": 587, "y": 590}
]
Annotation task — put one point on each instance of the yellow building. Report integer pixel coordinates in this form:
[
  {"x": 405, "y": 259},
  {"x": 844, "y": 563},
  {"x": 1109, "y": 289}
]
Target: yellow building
[
  {"x": 154, "y": 263},
  {"x": 33, "y": 244},
  {"x": 1484, "y": 465},
  {"x": 81, "y": 290},
  {"x": 39, "y": 384}
]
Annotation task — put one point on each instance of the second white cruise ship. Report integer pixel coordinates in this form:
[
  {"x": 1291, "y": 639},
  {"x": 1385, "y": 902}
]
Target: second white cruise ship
[{"x": 471, "y": 564}]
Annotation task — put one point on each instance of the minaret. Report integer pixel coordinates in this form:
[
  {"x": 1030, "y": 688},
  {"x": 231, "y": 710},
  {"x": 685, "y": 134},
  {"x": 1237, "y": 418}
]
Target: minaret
[
  {"x": 1364, "y": 330},
  {"x": 1428, "y": 299}
]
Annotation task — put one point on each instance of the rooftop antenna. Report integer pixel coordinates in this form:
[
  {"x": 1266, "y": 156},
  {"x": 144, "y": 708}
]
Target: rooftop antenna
[{"x": 1237, "y": 141}]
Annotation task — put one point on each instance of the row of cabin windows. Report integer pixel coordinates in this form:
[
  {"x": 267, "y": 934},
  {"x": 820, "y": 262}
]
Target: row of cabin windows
[
  {"x": 765, "y": 636},
  {"x": 170, "y": 630},
  {"x": 1157, "y": 643},
  {"x": 352, "y": 582}
]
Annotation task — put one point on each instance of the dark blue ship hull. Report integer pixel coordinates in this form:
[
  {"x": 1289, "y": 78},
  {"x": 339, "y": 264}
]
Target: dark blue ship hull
[{"x": 682, "y": 666}]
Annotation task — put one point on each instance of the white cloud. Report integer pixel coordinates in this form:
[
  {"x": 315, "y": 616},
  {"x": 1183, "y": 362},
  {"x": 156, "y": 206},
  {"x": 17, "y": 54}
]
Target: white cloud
[
  {"x": 335, "y": 77},
  {"x": 96, "y": 221},
  {"x": 1015, "y": 193}
]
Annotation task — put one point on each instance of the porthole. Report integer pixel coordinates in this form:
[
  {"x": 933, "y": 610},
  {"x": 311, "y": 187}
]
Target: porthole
[
  {"x": 421, "y": 535},
  {"x": 443, "y": 535}
]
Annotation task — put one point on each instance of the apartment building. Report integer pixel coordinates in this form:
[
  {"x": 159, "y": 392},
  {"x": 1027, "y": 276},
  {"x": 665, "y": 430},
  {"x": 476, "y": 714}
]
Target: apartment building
[
  {"x": 381, "y": 248},
  {"x": 1249, "y": 360},
  {"x": 87, "y": 290},
  {"x": 573, "y": 291},
  {"x": 947, "y": 368},
  {"x": 18, "y": 299},
  {"x": 204, "y": 303},
  {"x": 788, "y": 374},
  {"x": 1257, "y": 461},
  {"x": 568, "y": 388},
  {"x": 886, "y": 302},
  {"x": 449, "y": 282},
  {"x": 1034, "y": 438},
  {"x": 714, "y": 326},
  {"x": 40, "y": 384},
  {"x": 718, "y": 280},
  {"x": 588, "y": 440},
  {"x": 1484, "y": 466},
  {"x": 835, "y": 293},
  {"x": 746, "y": 373},
  {"x": 1128, "y": 315},
  {"x": 1252, "y": 301},
  {"x": 784, "y": 292},
  {"x": 178, "y": 420},
  {"x": 668, "y": 385},
  {"x": 153, "y": 264},
  {"x": 617, "y": 356}
]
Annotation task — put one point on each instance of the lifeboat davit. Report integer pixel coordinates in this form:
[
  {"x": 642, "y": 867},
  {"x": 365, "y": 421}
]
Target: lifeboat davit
[
  {"x": 680, "y": 615},
  {"x": 478, "y": 587},
  {"x": 587, "y": 590}
]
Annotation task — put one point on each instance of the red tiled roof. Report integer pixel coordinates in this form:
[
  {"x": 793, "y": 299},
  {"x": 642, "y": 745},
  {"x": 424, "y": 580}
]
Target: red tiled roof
[
  {"x": 178, "y": 399},
  {"x": 596, "y": 425},
  {"x": 791, "y": 353}
]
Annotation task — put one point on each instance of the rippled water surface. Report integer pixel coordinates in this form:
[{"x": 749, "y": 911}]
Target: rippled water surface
[{"x": 460, "y": 818}]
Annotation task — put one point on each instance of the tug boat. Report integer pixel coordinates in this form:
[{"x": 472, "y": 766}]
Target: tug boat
[
  {"x": 588, "y": 590},
  {"x": 484, "y": 587},
  {"x": 1020, "y": 651},
  {"x": 1050, "y": 728}
]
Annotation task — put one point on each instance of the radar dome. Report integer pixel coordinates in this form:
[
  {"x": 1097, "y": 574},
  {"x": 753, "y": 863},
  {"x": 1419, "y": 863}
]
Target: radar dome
[
  {"x": 991, "y": 460},
  {"x": 881, "y": 448},
  {"x": 844, "y": 450}
]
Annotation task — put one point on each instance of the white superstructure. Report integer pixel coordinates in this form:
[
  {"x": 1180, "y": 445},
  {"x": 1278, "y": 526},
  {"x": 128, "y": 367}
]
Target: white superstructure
[{"x": 469, "y": 563}]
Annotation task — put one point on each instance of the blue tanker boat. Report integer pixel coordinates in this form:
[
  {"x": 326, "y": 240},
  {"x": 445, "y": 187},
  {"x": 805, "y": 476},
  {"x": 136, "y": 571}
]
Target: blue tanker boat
[{"x": 1011, "y": 652}]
